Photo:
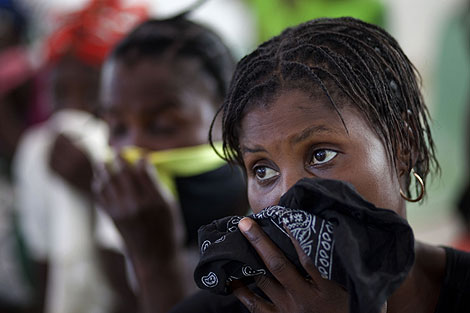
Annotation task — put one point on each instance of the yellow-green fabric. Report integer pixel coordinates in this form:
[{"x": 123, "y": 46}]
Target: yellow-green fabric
[
  {"x": 180, "y": 162},
  {"x": 273, "y": 16}
]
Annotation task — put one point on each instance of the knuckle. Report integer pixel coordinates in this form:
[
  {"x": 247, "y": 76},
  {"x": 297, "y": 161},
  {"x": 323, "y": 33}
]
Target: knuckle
[
  {"x": 253, "y": 305},
  {"x": 262, "y": 281},
  {"x": 276, "y": 264},
  {"x": 255, "y": 237}
]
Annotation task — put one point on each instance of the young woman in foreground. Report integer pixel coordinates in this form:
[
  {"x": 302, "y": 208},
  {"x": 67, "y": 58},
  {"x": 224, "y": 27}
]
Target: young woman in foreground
[{"x": 335, "y": 99}]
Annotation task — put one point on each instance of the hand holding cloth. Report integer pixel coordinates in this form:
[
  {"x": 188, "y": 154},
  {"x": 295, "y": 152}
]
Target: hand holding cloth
[{"x": 367, "y": 250}]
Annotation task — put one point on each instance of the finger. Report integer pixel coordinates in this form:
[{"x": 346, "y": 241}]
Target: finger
[
  {"x": 272, "y": 288},
  {"x": 60, "y": 142},
  {"x": 253, "y": 302},
  {"x": 305, "y": 260},
  {"x": 150, "y": 187},
  {"x": 100, "y": 177},
  {"x": 316, "y": 279},
  {"x": 106, "y": 192},
  {"x": 57, "y": 151},
  {"x": 143, "y": 175},
  {"x": 384, "y": 308},
  {"x": 126, "y": 177},
  {"x": 283, "y": 270}
]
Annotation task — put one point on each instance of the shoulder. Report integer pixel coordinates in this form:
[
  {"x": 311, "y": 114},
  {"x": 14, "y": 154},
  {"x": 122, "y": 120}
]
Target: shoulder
[
  {"x": 443, "y": 265},
  {"x": 455, "y": 289},
  {"x": 431, "y": 260},
  {"x": 457, "y": 273}
]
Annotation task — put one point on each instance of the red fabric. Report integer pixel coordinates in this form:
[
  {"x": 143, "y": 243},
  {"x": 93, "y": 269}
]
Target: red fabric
[{"x": 90, "y": 33}]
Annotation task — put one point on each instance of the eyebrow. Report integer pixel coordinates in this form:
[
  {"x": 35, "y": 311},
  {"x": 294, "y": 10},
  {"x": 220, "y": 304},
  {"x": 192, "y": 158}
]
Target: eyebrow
[
  {"x": 255, "y": 149},
  {"x": 164, "y": 106},
  {"x": 306, "y": 133}
]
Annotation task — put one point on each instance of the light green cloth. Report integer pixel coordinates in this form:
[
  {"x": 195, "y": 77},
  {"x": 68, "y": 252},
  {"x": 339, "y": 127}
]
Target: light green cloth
[
  {"x": 276, "y": 15},
  {"x": 180, "y": 162}
]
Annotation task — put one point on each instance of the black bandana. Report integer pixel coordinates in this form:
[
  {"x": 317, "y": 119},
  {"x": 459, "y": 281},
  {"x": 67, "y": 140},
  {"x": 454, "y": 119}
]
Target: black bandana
[
  {"x": 209, "y": 196},
  {"x": 365, "y": 249}
]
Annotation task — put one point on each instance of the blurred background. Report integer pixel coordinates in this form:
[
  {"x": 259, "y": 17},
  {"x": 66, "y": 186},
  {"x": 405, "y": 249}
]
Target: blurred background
[{"x": 435, "y": 34}]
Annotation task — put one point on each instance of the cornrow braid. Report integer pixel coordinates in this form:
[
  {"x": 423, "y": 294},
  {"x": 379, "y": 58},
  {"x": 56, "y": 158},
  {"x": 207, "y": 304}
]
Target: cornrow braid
[
  {"x": 344, "y": 57},
  {"x": 176, "y": 38}
]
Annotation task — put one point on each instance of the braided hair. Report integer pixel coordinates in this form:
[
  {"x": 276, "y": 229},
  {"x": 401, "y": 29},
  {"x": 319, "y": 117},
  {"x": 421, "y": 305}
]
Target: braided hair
[
  {"x": 178, "y": 38},
  {"x": 346, "y": 59}
]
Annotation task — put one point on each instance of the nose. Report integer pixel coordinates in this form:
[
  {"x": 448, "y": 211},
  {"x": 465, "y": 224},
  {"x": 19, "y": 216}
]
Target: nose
[
  {"x": 289, "y": 178},
  {"x": 132, "y": 137}
]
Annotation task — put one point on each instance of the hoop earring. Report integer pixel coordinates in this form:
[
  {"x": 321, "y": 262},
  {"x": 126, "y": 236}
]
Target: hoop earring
[{"x": 421, "y": 194}]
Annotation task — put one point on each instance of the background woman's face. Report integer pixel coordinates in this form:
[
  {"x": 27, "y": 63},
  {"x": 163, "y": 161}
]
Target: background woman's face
[
  {"x": 154, "y": 106},
  {"x": 296, "y": 136}
]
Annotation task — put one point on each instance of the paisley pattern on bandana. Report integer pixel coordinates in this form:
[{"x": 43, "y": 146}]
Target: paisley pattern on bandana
[
  {"x": 312, "y": 236},
  {"x": 300, "y": 224}
]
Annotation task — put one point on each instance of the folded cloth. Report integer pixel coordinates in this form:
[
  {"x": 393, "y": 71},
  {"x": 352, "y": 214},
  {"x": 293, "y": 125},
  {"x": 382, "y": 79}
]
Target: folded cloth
[{"x": 365, "y": 249}]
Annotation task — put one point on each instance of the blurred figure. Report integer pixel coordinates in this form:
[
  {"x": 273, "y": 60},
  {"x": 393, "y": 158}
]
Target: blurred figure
[
  {"x": 16, "y": 113},
  {"x": 161, "y": 87},
  {"x": 53, "y": 163},
  {"x": 463, "y": 202},
  {"x": 15, "y": 85}
]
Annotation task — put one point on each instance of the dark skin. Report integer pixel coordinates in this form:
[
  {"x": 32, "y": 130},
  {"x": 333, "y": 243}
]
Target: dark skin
[
  {"x": 311, "y": 141},
  {"x": 157, "y": 106},
  {"x": 148, "y": 105},
  {"x": 72, "y": 164}
]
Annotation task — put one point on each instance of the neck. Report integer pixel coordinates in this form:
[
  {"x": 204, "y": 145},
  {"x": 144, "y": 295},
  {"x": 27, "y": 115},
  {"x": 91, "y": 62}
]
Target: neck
[{"x": 420, "y": 291}]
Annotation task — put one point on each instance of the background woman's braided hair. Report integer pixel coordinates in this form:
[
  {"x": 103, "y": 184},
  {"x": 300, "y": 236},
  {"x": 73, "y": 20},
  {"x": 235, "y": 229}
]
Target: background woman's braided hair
[
  {"x": 346, "y": 59},
  {"x": 178, "y": 38}
]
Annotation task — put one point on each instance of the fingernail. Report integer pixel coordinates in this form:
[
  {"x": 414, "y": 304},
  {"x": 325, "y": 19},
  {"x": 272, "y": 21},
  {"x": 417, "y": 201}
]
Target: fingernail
[{"x": 245, "y": 225}]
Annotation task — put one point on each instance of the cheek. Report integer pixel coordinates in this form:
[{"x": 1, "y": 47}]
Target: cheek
[
  {"x": 255, "y": 199},
  {"x": 203, "y": 115},
  {"x": 195, "y": 125},
  {"x": 376, "y": 181},
  {"x": 260, "y": 199}
]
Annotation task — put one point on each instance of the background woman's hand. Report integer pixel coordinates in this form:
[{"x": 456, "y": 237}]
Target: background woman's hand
[
  {"x": 142, "y": 214},
  {"x": 68, "y": 161},
  {"x": 146, "y": 221},
  {"x": 288, "y": 291}
]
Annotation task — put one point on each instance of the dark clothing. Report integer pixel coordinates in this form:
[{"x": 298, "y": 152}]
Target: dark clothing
[
  {"x": 455, "y": 291},
  {"x": 372, "y": 249},
  {"x": 207, "y": 302},
  {"x": 454, "y": 298}
]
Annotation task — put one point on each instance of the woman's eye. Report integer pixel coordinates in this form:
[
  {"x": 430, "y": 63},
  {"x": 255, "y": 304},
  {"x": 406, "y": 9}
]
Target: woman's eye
[
  {"x": 322, "y": 156},
  {"x": 162, "y": 129},
  {"x": 263, "y": 173}
]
